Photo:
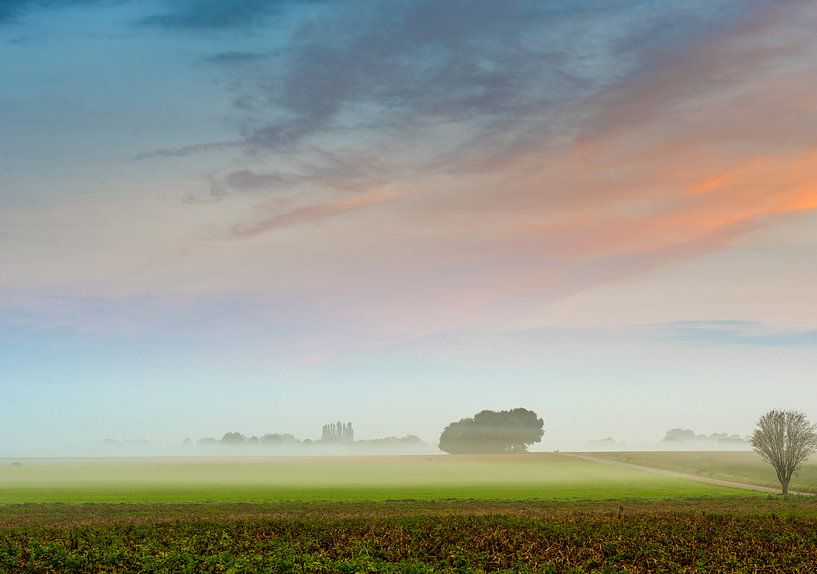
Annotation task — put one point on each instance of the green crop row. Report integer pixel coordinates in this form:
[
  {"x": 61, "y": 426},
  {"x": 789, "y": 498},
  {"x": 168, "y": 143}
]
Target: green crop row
[{"x": 574, "y": 542}]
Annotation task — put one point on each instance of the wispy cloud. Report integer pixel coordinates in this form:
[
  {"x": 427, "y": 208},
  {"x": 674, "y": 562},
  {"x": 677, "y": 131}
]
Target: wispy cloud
[
  {"x": 315, "y": 213},
  {"x": 14, "y": 10},
  {"x": 183, "y": 151},
  {"x": 208, "y": 15},
  {"x": 231, "y": 58},
  {"x": 734, "y": 333}
]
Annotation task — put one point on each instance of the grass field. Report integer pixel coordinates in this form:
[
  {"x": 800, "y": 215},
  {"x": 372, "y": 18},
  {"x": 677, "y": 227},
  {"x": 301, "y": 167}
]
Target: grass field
[
  {"x": 537, "y": 513},
  {"x": 173, "y": 480},
  {"x": 745, "y": 467}
]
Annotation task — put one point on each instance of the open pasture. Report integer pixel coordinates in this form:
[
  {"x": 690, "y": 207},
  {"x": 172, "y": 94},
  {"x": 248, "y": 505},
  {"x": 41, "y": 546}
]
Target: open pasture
[
  {"x": 179, "y": 480},
  {"x": 745, "y": 467}
]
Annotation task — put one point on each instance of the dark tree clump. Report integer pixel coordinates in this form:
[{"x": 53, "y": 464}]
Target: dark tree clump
[
  {"x": 493, "y": 432},
  {"x": 233, "y": 439}
]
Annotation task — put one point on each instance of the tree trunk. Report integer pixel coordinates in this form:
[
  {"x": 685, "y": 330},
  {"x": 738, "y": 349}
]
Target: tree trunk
[{"x": 785, "y": 484}]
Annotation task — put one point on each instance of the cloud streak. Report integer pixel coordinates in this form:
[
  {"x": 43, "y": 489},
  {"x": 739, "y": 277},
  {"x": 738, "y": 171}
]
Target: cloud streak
[
  {"x": 214, "y": 15},
  {"x": 734, "y": 333},
  {"x": 315, "y": 213}
]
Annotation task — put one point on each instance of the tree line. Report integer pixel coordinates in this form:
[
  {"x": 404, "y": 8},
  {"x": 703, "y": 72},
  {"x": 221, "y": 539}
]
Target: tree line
[
  {"x": 783, "y": 438},
  {"x": 331, "y": 433}
]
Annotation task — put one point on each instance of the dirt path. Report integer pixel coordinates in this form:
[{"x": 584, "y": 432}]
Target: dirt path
[{"x": 674, "y": 474}]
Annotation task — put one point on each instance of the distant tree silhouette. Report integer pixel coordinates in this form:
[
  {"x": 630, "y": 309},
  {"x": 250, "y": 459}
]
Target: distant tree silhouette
[
  {"x": 233, "y": 439},
  {"x": 680, "y": 435},
  {"x": 275, "y": 439},
  {"x": 338, "y": 432},
  {"x": 784, "y": 439},
  {"x": 493, "y": 432}
]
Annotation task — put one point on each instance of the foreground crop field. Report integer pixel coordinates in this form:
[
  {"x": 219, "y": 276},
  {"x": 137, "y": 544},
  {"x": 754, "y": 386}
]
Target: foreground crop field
[
  {"x": 745, "y": 467},
  {"x": 703, "y": 535},
  {"x": 439, "y": 514},
  {"x": 171, "y": 480}
]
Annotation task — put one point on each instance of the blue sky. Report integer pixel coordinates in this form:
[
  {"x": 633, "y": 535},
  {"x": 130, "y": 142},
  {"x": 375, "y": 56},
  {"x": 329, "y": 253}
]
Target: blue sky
[{"x": 260, "y": 216}]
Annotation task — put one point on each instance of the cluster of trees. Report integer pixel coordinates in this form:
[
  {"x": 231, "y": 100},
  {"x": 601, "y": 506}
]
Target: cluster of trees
[
  {"x": 338, "y": 432},
  {"x": 332, "y": 433},
  {"x": 681, "y": 436},
  {"x": 493, "y": 432},
  {"x": 238, "y": 439}
]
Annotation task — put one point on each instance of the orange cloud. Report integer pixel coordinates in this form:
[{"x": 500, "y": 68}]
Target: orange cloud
[
  {"x": 316, "y": 212},
  {"x": 683, "y": 161}
]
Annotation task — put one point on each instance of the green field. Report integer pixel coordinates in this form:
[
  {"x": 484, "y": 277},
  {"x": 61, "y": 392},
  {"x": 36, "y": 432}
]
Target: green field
[
  {"x": 745, "y": 467},
  {"x": 534, "y": 513},
  {"x": 172, "y": 480}
]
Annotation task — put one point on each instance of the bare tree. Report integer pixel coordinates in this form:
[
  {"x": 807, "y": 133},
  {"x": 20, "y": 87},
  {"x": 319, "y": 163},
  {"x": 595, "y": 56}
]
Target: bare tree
[{"x": 784, "y": 439}]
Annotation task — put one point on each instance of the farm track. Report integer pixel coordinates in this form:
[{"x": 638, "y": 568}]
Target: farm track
[{"x": 684, "y": 475}]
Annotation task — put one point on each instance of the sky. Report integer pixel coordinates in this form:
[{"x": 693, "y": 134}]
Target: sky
[{"x": 261, "y": 216}]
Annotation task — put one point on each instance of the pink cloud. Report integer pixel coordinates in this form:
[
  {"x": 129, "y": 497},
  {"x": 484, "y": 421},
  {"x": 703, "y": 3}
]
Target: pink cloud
[{"x": 315, "y": 212}]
